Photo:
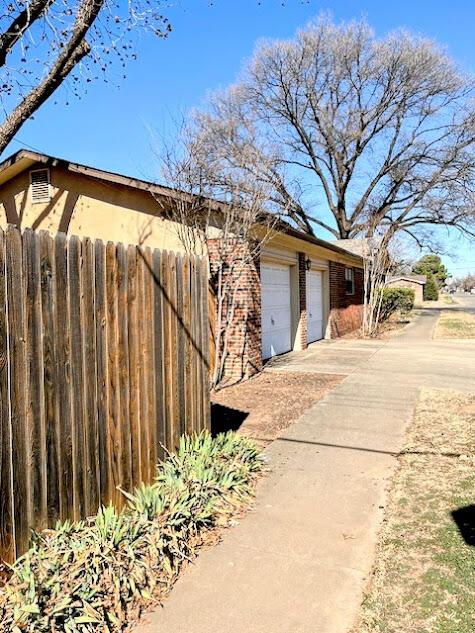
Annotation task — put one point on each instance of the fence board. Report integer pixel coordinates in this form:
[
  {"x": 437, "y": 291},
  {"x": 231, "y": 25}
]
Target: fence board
[
  {"x": 78, "y": 429},
  {"x": 63, "y": 378},
  {"x": 142, "y": 368},
  {"x": 51, "y": 411},
  {"x": 134, "y": 366},
  {"x": 149, "y": 364},
  {"x": 113, "y": 413},
  {"x": 21, "y": 440},
  {"x": 7, "y": 527},
  {"x": 92, "y": 479},
  {"x": 160, "y": 386},
  {"x": 103, "y": 351},
  {"x": 34, "y": 357},
  {"x": 105, "y": 478}
]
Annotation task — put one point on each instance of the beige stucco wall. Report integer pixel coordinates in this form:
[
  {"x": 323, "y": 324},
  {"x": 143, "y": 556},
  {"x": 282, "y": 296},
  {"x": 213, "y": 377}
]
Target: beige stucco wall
[
  {"x": 86, "y": 206},
  {"x": 413, "y": 285}
]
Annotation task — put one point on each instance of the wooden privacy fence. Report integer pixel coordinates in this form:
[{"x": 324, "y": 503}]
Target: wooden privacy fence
[{"x": 104, "y": 356}]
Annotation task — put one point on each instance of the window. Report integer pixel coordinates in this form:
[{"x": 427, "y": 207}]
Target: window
[
  {"x": 40, "y": 187},
  {"x": 350, "y": 281}
]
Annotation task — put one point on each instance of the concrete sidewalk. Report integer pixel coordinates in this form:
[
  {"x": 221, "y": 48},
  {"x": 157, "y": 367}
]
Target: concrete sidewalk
[{"x": 299, "y": 562}]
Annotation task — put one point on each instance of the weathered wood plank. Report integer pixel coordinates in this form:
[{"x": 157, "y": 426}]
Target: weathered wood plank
[
  {"x": 173, "y": 333},
  {"x": 145, "y": 447},
  {"x": 105, "y": 476},
  {"x": 194, "y": 410},
  {"x": 149, "y": 360},
  {"x": 160, "y": 396},
  {"x": 188, "y": 351},
  {"x": 50, "y": 393},
  {"x": 113, "y": 383},
  {"x": 134, "y": 325},
  {"x": 34, "y": 353},
  {"x": 205, "y": 355},
  {"x": 21, "y": 436},
  {"x": 123, "y": 360},
  {"x": 7, "y": 527},
  {"x": 90, "y": 410},
  {"x": 180, "y": 346},
  {"x": 78, "y": 428},
  {"x": 63, "y": 376}
]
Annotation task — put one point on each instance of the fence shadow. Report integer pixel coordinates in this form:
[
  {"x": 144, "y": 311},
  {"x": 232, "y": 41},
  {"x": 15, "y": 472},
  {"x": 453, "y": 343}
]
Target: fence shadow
[
  {"x": 225, "y": 418},
  {"x": 464, "y": 519}
]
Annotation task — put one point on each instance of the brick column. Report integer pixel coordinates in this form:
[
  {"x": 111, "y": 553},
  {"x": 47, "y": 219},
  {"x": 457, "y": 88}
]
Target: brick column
[
  {"x": 243, "y": 341},
  {"x": 302, "y": 301}
]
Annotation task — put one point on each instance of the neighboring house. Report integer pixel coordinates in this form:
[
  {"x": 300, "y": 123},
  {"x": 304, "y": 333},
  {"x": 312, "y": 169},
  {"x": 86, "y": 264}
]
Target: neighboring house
[
  {"x": 299, "y": 289},
  {"x": 414, "y": 282}
]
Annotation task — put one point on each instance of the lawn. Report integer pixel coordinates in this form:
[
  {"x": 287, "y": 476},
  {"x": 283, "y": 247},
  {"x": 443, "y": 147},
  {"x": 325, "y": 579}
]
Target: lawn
[
  {"x": 424, "y": 576},
  {"x": 454, "y": 324}
]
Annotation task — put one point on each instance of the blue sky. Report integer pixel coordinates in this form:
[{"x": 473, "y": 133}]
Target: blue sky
[{"x": 110, "y": 127}]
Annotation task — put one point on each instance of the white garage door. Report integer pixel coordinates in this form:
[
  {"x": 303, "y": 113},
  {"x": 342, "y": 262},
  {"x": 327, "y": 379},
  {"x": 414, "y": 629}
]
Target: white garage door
[
  {"x": 314, "y": 306},
  {"x": 276, "y": 322}
]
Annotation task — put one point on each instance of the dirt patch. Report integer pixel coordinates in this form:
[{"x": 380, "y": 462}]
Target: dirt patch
[
  {"x": 268, "y": 403},
  {"x": 424, "y": 575}
]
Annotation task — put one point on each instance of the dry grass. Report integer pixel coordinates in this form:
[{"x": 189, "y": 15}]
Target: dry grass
[
  {"x": 454, "y": 324},
  {"x": 424, "y": 576}
]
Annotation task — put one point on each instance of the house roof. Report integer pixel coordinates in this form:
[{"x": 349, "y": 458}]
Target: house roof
[
  {"x": 420, "y": 279},
  {"x": 356, "y": 246},
  {"x": 24, "y": 159}
]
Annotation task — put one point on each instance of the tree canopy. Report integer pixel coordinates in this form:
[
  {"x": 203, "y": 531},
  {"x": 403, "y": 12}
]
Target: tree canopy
[
  {"x": 45, "y": 42},
  {"x": 431, "y": 265},
  {"x": 349, "y": 132}
]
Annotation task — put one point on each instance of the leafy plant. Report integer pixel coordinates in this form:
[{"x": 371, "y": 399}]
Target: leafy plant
[
  {"x": 97, "y": 574},
  {"x": 396, "y": 300}
]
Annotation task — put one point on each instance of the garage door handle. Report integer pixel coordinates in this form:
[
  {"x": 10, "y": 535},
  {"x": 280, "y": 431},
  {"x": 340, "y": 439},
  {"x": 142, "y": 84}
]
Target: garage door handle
[{"x": 272, "y": 320}]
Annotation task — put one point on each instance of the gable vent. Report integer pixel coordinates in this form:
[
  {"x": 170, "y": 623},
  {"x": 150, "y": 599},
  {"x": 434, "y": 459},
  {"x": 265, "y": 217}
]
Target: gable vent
[{"x": 40, "y": 188}]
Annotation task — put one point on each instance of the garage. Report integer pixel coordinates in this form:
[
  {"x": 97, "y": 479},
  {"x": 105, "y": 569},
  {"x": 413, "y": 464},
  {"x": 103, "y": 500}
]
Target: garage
[
  {"x": 314, "y": 285},
  {"x": 276, "y": 312}
]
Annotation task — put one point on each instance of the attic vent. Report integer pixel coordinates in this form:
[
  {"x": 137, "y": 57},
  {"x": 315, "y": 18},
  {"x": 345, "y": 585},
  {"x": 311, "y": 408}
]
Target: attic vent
[{"x": 40, "y": 189}]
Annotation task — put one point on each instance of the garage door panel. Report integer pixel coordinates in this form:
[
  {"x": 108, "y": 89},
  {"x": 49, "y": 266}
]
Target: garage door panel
[
  {"x": 275, "y": 306},
  {"x": 314, "y": 286}
]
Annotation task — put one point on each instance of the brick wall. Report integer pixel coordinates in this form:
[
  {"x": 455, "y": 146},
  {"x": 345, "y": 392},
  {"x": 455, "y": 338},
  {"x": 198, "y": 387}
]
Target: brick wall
[
  {"x": 302, "y": 300},
  {"x": 242, "y": 308},
  {"x": 346, "y": 311}
]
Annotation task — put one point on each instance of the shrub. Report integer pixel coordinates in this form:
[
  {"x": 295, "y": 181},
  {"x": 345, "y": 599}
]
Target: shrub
[
  {"x": 431, "y": 289},
  {"x": 396, "y": 300},
  {"x": 97, "y": 574}
]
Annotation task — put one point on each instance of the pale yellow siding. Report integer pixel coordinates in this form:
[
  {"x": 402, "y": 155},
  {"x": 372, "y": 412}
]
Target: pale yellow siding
[{"x": 90, "y": 207}]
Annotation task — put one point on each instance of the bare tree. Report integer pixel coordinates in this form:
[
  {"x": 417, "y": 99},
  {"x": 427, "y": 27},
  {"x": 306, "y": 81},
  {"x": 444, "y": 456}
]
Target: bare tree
[
  {"x": 378, "y": 131},
  {"x": 230, "y": 232},
  {"x": 43, "y": 42}
]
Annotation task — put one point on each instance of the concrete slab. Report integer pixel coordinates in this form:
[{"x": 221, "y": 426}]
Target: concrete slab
[{"x": 299, "y": 561}]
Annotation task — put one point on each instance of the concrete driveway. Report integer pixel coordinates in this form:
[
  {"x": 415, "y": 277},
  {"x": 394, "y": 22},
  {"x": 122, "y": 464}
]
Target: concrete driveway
[{"x": 299, "y": 562}]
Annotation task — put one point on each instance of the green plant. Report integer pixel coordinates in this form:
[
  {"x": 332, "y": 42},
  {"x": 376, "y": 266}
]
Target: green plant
[
  {"x": 396, "y": 300},
  {"x": 97, "y": 574},
  {"x": 431, "y": 265},
  {"x": 431, "y": 289}
]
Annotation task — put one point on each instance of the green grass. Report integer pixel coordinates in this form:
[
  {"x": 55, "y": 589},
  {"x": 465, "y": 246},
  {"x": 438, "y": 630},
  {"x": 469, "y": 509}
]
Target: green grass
[{"x": 424, "y": 576}]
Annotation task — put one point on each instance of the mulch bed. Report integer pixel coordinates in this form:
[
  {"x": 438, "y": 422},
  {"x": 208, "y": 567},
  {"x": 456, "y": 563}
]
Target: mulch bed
[{"x": 268, "y": 403}]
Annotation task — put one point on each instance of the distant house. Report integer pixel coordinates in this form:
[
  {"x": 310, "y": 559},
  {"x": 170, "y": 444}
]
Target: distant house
[
  {"x": 298, "y": 289},
  {"x": 414, "y": 282}
]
